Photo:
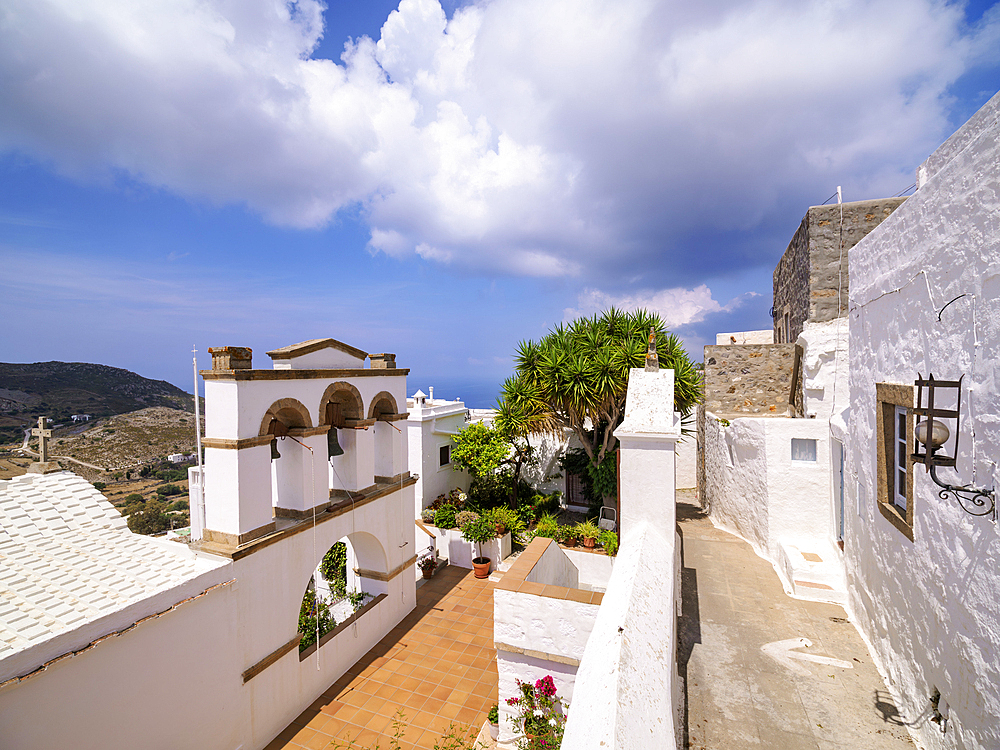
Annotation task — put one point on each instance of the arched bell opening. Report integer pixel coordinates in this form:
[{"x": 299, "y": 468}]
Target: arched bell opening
[
  {"x": 342, "y": 408},
  {"x": 387, "y": 442},
  {"x": 289, "y": 459},
  {"x": 350, "y": 574}
]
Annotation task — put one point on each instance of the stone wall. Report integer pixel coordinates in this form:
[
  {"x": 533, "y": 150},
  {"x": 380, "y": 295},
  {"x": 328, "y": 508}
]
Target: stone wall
[
  {"x": 812, "y": 273},
  {"x": 750, "y": 379}
]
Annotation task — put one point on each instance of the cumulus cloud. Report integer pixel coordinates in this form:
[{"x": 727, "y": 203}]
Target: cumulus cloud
[
  {"x": 678, "y": 307},
  {"x": 556, "y": 138}
]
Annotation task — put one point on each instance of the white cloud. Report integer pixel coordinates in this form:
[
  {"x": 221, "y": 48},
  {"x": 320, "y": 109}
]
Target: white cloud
[
  {"x": 678, "y": 307},
  {"x": 550, "y": 138}
]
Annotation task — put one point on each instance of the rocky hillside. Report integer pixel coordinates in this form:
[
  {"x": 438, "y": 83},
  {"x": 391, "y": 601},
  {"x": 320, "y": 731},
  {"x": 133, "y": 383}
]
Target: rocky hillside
[{"x": 59, "y": 390}]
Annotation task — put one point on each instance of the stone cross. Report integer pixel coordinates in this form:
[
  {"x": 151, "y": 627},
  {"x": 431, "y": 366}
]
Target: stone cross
[
  {"x": 43, "y": 433},
  {"x": 652, "y": 361}
]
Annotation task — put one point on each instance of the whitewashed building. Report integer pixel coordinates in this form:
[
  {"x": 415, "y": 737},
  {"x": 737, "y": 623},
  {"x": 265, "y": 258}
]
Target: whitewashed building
[
  {"x": 914, "y": 561},
  {"x": 431, "y": 426},
  {"x": 112, "y": 640},
  {"x": 923, "y": 574}
]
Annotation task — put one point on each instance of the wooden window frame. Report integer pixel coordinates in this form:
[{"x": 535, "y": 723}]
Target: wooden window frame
[{"x": 888, "y": 396}]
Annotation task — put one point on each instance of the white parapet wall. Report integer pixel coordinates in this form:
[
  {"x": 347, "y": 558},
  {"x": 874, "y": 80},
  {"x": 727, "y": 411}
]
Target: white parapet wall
[{"x": 627, "y": 690}]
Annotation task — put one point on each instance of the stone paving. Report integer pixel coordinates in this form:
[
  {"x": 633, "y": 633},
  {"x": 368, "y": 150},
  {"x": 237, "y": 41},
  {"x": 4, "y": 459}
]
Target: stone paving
[
  {"x": 739, "y": 696},
  {"x": 438, "y": 665}
]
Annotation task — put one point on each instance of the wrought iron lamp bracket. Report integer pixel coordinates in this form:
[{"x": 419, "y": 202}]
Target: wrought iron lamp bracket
[{"x": 975, "y": 502}]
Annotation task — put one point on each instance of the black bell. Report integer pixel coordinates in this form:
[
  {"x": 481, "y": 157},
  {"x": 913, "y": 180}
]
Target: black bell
[
  {"x": 274, "y": 449},
  {"x": 332, "y": 444}
]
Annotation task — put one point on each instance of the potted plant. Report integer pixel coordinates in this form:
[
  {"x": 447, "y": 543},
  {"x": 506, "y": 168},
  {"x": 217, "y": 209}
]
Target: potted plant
[
  {"x": 588, "y": 531},
  {"x": 539, "y": 714},
  {"x": 505, "y": 519},
  {"x": 494, "y": 719},
  {"x": 427, "y": 564},
  {"x": 568, "y": 535},
  {"x": 609, "y": 540},
  {"x": 480, "y": 531}
]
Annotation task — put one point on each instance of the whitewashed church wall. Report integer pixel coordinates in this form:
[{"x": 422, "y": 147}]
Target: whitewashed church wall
[
  {"x": 929, "y": 608},
  {"x": 169, "y": 682}
]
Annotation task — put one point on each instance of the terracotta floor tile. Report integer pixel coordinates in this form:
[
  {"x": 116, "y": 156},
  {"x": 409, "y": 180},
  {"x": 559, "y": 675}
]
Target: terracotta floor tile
[
  {"x": 450, "y": 710},
  {"x": 438, "y": 664}
]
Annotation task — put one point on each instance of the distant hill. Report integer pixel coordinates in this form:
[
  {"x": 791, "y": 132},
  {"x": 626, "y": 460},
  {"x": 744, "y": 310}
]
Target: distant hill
[{"x": 62, "y": 389}]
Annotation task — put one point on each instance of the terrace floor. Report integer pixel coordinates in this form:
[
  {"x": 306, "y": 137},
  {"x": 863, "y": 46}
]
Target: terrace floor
[
  {"x": 438, "y": 666},
  {"x": 735, "y": 615}
]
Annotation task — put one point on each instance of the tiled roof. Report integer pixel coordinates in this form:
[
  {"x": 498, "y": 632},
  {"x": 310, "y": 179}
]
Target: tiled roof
[{"x": 67, "y": 557}]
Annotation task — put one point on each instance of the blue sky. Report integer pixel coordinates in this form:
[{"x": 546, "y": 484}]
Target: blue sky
[{"x": 178, "y": 173}]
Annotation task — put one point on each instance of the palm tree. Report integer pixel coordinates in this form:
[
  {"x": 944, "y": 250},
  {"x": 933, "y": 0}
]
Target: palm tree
[{"x": 577, "y": 376}]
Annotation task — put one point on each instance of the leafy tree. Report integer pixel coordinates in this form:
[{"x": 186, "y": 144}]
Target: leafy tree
[
  {"x": 576, "y": 377},
  {"x": 168, "y": 489},
  {"x": 100, "y": 486},
  {"x": 493, "y": 455},
  {"x": 151, "y": 518}
]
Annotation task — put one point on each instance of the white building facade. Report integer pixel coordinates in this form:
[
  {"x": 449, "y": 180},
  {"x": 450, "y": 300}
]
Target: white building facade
[
  {"x": 431, "y": 426},
  {"x": 923, "y": 573}
]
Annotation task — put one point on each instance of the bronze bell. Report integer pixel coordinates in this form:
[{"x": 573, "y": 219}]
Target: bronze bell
[
  {"x": 332, "y": 444},
  {"x": 274, "y": 449}
]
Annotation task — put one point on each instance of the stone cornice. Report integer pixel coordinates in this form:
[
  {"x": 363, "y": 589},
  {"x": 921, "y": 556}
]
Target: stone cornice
[{"x": 302, "y": 374}]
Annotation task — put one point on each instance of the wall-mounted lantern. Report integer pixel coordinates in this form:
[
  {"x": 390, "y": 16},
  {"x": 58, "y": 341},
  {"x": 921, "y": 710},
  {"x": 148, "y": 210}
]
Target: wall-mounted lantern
[{"x": 933, "y": 434}]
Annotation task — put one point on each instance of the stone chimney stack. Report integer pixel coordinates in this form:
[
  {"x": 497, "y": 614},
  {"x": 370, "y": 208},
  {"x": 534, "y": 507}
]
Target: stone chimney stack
[
  {"x": 383, "y": 361},
  {"x": 231, "y": 357}
]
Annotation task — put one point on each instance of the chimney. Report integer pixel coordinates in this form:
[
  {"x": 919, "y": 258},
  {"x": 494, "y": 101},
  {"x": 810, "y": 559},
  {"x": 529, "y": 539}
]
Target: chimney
[
  {"x": 231, "y": 357},
  {"x": 383, "y": 361},
  {"x": 431, "y": 396}
]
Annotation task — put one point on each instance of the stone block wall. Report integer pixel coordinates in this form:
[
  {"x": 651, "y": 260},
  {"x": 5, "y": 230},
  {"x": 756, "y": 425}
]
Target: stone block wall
[
  {"x": 750, "y": 379},
  {"x": 812, "y": 274}
]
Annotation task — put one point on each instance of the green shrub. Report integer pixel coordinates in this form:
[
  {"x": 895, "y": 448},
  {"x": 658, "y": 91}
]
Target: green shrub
[
  {"x": 547, "y": 526},
  {"x": 444, "y": 518},
  {"x": 151, "y": 518},
  {"x": 334, "y": 567},
  {"x": 99, "y": 486},
  {"x": 169, "y": 489},
  {"x": 609, "y": 540},
  {"x": 506, "y": 517},
  {"x": 547, "y": 504},
  {"x": 179, "y": 505},
  {"x": 135, "y": 497},
  {"x": 568, "y": 534},
  {"x": 464, "y": 517},
  {"x": 311, "y": 614},
  {"x": 494, "y": 715}
]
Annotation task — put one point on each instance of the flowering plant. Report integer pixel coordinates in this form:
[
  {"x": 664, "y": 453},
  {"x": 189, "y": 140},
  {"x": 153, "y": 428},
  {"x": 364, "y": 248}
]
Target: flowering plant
[
  {"x": 427, "y": 564},
  {"x": 540, "y": 715}
]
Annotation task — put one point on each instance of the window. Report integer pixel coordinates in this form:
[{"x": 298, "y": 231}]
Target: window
[
  {"x": 803, "y": 449},
  {"x": 894, "y": 437},
  {"x": 445, "y": 455}
]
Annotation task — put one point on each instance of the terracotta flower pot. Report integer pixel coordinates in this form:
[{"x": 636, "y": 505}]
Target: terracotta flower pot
[
  {"x": 428, "y": 573},
  {"x": 589, "y": 543},
  {"x": 482, "y": 567},
  {"x": 501, "y": 530},
  {"x": 570, "y": 542}
]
